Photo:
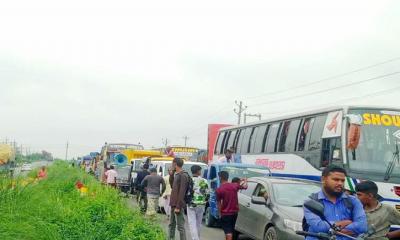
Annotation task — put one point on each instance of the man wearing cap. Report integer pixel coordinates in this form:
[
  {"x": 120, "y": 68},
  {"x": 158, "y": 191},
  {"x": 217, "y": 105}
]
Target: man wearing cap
[{"x": 379, "y": 216}]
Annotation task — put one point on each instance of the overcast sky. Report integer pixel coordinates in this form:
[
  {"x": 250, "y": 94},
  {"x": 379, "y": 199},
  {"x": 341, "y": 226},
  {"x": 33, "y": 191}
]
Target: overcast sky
[{"x": 91, "y": 71}]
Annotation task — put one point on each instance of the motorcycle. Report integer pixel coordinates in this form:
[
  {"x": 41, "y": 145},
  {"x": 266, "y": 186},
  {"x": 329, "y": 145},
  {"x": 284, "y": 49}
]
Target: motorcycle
[{"x": 334, "y": 231}]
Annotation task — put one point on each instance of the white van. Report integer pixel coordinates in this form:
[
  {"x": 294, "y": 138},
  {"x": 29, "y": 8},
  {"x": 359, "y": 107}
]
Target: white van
[{"x": 162, "y": 170}]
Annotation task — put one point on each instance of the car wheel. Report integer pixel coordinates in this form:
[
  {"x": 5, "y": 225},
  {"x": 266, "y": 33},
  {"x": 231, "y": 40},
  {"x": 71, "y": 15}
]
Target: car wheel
[
  {"x": 209, "y": 219},
  {"x": 270, "y": 234}
]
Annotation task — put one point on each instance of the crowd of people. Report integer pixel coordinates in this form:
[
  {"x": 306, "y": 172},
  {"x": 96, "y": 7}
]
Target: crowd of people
[
  {"x": 351, "y": 213},
  {"x": 183, "y": 192}
]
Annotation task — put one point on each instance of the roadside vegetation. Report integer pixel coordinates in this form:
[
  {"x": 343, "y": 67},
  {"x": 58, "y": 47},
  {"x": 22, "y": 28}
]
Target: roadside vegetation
[{"x": 54, "y": 208}]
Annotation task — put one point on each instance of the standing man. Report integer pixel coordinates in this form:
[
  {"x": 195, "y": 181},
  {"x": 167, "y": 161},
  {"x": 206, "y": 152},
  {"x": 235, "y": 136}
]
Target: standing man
[
  {"x": 379, "y": 216},
  {"x": 228, "y": 204},
  {"x": 167, "y": 194},
  {"x": 111, "y": 176},
  {"x": 177, "y": 203},
  {"x": 195, "y": 209},
  {"x": 345, "y": 211},
  {"x": 151, "y": 183},
  {"x": 141, "y": 194}
]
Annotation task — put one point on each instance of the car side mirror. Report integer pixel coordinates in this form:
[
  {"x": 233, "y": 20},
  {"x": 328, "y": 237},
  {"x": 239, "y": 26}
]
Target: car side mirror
[
  {"x": 315, "y": 207},
  {"x": 258, "y": 200}
]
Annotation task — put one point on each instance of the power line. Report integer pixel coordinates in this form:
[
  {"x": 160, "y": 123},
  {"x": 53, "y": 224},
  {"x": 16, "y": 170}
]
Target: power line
[
  {"x": 325, "y": 90},
  {"x": 324, "y": 79},
  {"x": 373, "y": 94}
]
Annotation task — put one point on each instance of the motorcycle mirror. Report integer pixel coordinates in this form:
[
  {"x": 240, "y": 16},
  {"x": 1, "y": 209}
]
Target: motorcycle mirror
[{"x": 315, "y": 207}]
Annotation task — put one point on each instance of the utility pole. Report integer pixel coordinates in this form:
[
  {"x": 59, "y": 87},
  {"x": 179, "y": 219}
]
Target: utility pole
[
  {"x": 240, "y": 109},
  {"x": 251, "y": 115},
  {"x": 165, "y": 141},
  {"x": 186, "y": 138},
  {"x": 66, "y": 152}
]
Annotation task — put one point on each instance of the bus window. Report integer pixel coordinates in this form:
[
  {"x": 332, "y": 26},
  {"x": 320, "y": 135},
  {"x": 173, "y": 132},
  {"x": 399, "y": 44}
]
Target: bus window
[
  {"x": 219, "y": 143},
  {"x": 235, "y": 142},
  {"x": 304, "y": 132},
  {"x": 316, "y": 133},
  {"x": 331, "y": 151},
  {"x": 253, "y": 136},
  {"x": 292, "y": 136},
  {"x": 244, "y": 141},
  {"x": 231, "y": 139},
  {"x": 221, "y": 150},
  {"x": 271, "y": 138},
  {"x": 283, "y": 136},
  {"x": 225, "y": 143},
  {"x": 259, "y": 141}
]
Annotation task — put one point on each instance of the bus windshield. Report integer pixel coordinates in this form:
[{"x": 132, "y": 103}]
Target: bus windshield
[{"x": 376, "y": 151}]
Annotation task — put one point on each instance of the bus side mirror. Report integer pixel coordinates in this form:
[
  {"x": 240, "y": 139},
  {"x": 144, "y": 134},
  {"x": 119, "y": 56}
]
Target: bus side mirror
[{"x": 353, "y": 136}]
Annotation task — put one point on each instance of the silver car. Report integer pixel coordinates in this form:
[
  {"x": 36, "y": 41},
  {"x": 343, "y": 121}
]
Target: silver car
[{"x": 271, "y": 208}]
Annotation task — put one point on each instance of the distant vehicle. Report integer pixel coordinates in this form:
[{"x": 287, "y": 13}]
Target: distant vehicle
[
  {"x": 271, "y": 208},
  {"x": 235, "y": 170},
  {"x": 26, "y": 167},
  {"x": 124, "y": 174}
]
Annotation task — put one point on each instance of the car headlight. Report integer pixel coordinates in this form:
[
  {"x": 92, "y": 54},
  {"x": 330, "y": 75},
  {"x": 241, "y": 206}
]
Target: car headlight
[{"x": 293, "y": 225}]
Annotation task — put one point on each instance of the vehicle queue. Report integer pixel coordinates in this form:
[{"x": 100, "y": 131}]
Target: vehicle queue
[{"x": 283, "y": 161}]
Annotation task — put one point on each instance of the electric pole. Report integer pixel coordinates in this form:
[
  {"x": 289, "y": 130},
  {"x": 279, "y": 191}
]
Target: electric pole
[
  {"x": 240, "y": 109},
  {"x": 66, "y": 152},
  {"x": 165, "y": 142},
  {"x": 186, "y": 138},
  {"x": 251, "y": 115}
]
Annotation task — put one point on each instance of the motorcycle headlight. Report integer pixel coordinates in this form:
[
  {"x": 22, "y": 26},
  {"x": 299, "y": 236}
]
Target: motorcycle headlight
[{"x": 293, "y": 225}]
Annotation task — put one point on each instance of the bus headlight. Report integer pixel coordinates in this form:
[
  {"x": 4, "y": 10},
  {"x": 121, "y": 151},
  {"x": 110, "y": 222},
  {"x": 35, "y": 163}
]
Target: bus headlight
[{"x": 293, "y": 225}]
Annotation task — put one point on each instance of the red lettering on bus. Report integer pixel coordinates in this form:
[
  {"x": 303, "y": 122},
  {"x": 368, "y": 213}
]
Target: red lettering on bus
[{"x": 271, "y": 164}]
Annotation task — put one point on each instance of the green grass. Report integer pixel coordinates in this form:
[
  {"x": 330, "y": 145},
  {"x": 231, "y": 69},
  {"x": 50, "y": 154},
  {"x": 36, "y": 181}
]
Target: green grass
[{"x": 54, "y": 209}]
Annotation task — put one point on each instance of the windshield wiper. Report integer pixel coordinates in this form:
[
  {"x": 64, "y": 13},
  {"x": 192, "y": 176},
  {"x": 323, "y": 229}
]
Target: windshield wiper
[
  {"x": 392, "y": 164},
  {"x": 297, "y": 205}
]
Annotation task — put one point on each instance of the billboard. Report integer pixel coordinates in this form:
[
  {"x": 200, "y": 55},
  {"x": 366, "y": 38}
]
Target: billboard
[{"x": 212, "y": 138}]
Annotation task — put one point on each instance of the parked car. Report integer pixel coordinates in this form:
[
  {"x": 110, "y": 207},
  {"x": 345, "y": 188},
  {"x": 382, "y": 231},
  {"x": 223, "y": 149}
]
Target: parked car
[
  {"x": 26, "y": 167},
  {"x": 235, "y": 170},
  {"x": 271, "y": 208}
]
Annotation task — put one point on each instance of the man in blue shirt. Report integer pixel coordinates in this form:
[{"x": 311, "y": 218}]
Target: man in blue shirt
[{"x": 345, "y": 211}]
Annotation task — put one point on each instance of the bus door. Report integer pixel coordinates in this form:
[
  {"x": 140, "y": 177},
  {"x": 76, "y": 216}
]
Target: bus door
[{"x": 331, "y": 151}]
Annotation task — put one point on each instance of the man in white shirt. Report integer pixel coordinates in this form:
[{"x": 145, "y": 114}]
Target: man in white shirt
[{"x": 111, "y": 176}]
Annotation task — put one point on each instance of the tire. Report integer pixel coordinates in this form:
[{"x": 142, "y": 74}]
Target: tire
[
  {"x": 270, "y": 234},
  {"x": 209, "y": 219}
]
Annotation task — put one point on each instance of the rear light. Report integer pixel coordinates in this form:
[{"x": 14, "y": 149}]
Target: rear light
[{"x": 397, "y": 190}]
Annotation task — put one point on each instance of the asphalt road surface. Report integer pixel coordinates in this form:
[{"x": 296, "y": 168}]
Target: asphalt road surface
[{"x": 206, "y": 233}]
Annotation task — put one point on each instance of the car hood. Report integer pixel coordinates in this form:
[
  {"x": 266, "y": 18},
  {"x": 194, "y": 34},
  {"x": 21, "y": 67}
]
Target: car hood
[{"x": 293, "y": 213}]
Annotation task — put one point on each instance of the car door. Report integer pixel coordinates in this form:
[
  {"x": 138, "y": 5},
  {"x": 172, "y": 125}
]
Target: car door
[
  {"x": 244, "y": 197},
  {"x": 260, "y": 214}
]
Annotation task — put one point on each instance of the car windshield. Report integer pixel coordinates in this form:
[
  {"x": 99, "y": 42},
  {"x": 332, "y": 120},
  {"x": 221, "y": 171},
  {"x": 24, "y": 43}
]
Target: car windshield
[
  {"x": 293, "y": 194},
  {"x": 245, "y": 172},
  {"x": 186, "y": 167},
  {"x": 380, "y": 132}
]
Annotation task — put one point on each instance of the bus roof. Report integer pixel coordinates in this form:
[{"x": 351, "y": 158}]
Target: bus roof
[{"x": 313, "y": 112}]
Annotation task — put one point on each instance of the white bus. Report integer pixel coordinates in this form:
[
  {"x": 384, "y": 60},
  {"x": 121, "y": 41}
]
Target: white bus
[{"x": 361, "y": 139}]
